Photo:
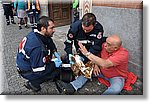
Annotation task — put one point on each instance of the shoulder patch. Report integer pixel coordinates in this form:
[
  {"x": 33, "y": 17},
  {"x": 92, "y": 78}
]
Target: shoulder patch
[
  {"x": 22, "y": 44},
  {"x": 44, "y": 59},
  {"x": 99, "y": 36},
  {"x": 70, "y": 35}
]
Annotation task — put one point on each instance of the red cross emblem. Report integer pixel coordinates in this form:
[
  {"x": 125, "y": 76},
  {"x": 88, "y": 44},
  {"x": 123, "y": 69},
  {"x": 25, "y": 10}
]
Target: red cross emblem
[{"x": 22, "y": 43}]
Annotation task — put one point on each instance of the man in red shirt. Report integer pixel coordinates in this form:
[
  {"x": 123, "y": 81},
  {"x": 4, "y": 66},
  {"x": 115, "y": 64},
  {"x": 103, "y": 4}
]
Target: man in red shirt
[{"x": 112, "y": 66}]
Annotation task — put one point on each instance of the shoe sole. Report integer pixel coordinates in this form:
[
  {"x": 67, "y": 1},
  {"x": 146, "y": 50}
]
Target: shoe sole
[
  {"x": 27, "y": 86},
  {"x": 60, "y": 88},
  {"x": 30, "y": 88},
  {"x": 20, "y": 28}
]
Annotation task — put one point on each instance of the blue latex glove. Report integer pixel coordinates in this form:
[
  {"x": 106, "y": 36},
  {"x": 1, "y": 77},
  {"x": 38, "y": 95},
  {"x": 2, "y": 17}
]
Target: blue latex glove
[
  {"x": 57, "y": 62},
  {"x": 71, "y": 62},
  {"x": 56, "y": 55},
  {"x": 81, "y": 58}
]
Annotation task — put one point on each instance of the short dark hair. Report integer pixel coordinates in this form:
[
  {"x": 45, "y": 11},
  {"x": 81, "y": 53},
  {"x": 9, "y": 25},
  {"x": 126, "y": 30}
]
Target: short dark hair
[
  {"x": 89, "y": 19},
  {"x": 43, "y": 21}
]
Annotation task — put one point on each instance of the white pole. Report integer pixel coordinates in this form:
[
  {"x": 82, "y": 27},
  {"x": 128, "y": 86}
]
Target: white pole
[{"x": 85, "y": 6}]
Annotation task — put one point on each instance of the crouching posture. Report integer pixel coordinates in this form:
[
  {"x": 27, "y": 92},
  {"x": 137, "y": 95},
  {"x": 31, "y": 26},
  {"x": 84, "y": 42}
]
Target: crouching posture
[
  {"x": 112, "y": 66},
  {"x": 34, "y": 58}
]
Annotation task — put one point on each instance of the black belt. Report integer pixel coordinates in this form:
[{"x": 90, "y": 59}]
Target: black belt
[{"x": 24, "y": 71}]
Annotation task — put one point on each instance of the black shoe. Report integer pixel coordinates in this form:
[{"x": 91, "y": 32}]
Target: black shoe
[
  {"x": 13, "y": 22},
  {"x": 26, "y": 26},
  {"x": 65, "y": 88},
  {"x": 8, "y": 23},
  {"x": 20, "y": 27},
  {"x": 29, "y": 86}
]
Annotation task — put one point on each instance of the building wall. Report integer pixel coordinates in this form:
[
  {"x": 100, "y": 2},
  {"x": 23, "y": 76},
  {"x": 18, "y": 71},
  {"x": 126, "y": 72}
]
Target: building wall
[
  {"x": 119, "y": 3},
  {"x": 44, "y": 7},
  {"x": 127, "y": 23}
]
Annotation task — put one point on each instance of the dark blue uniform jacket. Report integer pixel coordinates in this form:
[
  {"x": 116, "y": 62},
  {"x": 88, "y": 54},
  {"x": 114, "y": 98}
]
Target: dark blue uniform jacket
[
  {"x": 35, "y": 52},
  {"x": 91, "y": 40}
]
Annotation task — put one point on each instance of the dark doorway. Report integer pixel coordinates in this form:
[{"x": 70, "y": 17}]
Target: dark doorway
[{"x": 60, "y": 11}]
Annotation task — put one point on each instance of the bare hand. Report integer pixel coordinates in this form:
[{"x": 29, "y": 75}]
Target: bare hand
[
  {"x": 96, "y": 70},
  {"x": 82, "y": 49}
]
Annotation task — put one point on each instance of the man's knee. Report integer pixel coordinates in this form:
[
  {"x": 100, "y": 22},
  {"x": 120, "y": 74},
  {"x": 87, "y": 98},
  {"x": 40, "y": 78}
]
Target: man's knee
[
  {"x": 113, "y": 90},
  {"x": 115, "y": 87}
]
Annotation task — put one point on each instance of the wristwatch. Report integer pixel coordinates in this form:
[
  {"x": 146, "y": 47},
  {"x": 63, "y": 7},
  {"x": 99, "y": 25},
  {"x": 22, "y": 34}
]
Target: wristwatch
[{"x": 87, "y": 54}]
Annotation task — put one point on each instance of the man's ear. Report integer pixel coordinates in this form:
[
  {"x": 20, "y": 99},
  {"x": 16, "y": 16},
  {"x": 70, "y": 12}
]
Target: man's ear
[
  {"x": 42, "y": 28},
  {"x": 95, "y": 24},
  {"x": 116, "y": 48}
]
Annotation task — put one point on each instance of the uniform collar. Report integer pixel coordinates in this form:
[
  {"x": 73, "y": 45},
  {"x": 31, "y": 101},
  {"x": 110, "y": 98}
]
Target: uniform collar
[
  {"x": 36, "y": 31},
  {"x": 43, "y": 38}
]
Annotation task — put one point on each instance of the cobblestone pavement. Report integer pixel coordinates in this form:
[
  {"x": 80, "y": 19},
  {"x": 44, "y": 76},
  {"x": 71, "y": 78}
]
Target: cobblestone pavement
[{"x": 14, "y": 85}]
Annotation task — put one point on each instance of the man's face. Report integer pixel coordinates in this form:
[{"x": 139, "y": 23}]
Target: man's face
[
  {"x": 87, "y": 29},
  {"x": 109, "y": 46},
  {"x": 50, "y": 29}
]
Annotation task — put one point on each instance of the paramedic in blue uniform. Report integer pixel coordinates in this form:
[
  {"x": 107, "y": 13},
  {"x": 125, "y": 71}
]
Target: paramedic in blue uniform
[
  {"x": 89, "y": 32},
  {"x": 34, "y": 58}
]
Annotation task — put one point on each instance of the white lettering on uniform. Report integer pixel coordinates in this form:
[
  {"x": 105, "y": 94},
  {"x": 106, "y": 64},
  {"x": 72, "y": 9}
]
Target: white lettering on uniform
[{"x": 93, "y": 35}]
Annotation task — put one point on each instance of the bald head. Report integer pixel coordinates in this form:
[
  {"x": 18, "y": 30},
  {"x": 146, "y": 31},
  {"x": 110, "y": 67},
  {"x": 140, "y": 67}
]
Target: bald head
[
  {"x": 113, "y": 43},
  {"x": 115, "y": 40}
]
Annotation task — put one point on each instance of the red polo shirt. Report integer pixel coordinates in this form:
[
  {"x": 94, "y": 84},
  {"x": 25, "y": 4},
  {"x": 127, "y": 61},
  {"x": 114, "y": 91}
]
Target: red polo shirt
[{"x": 120, "y": 60}]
